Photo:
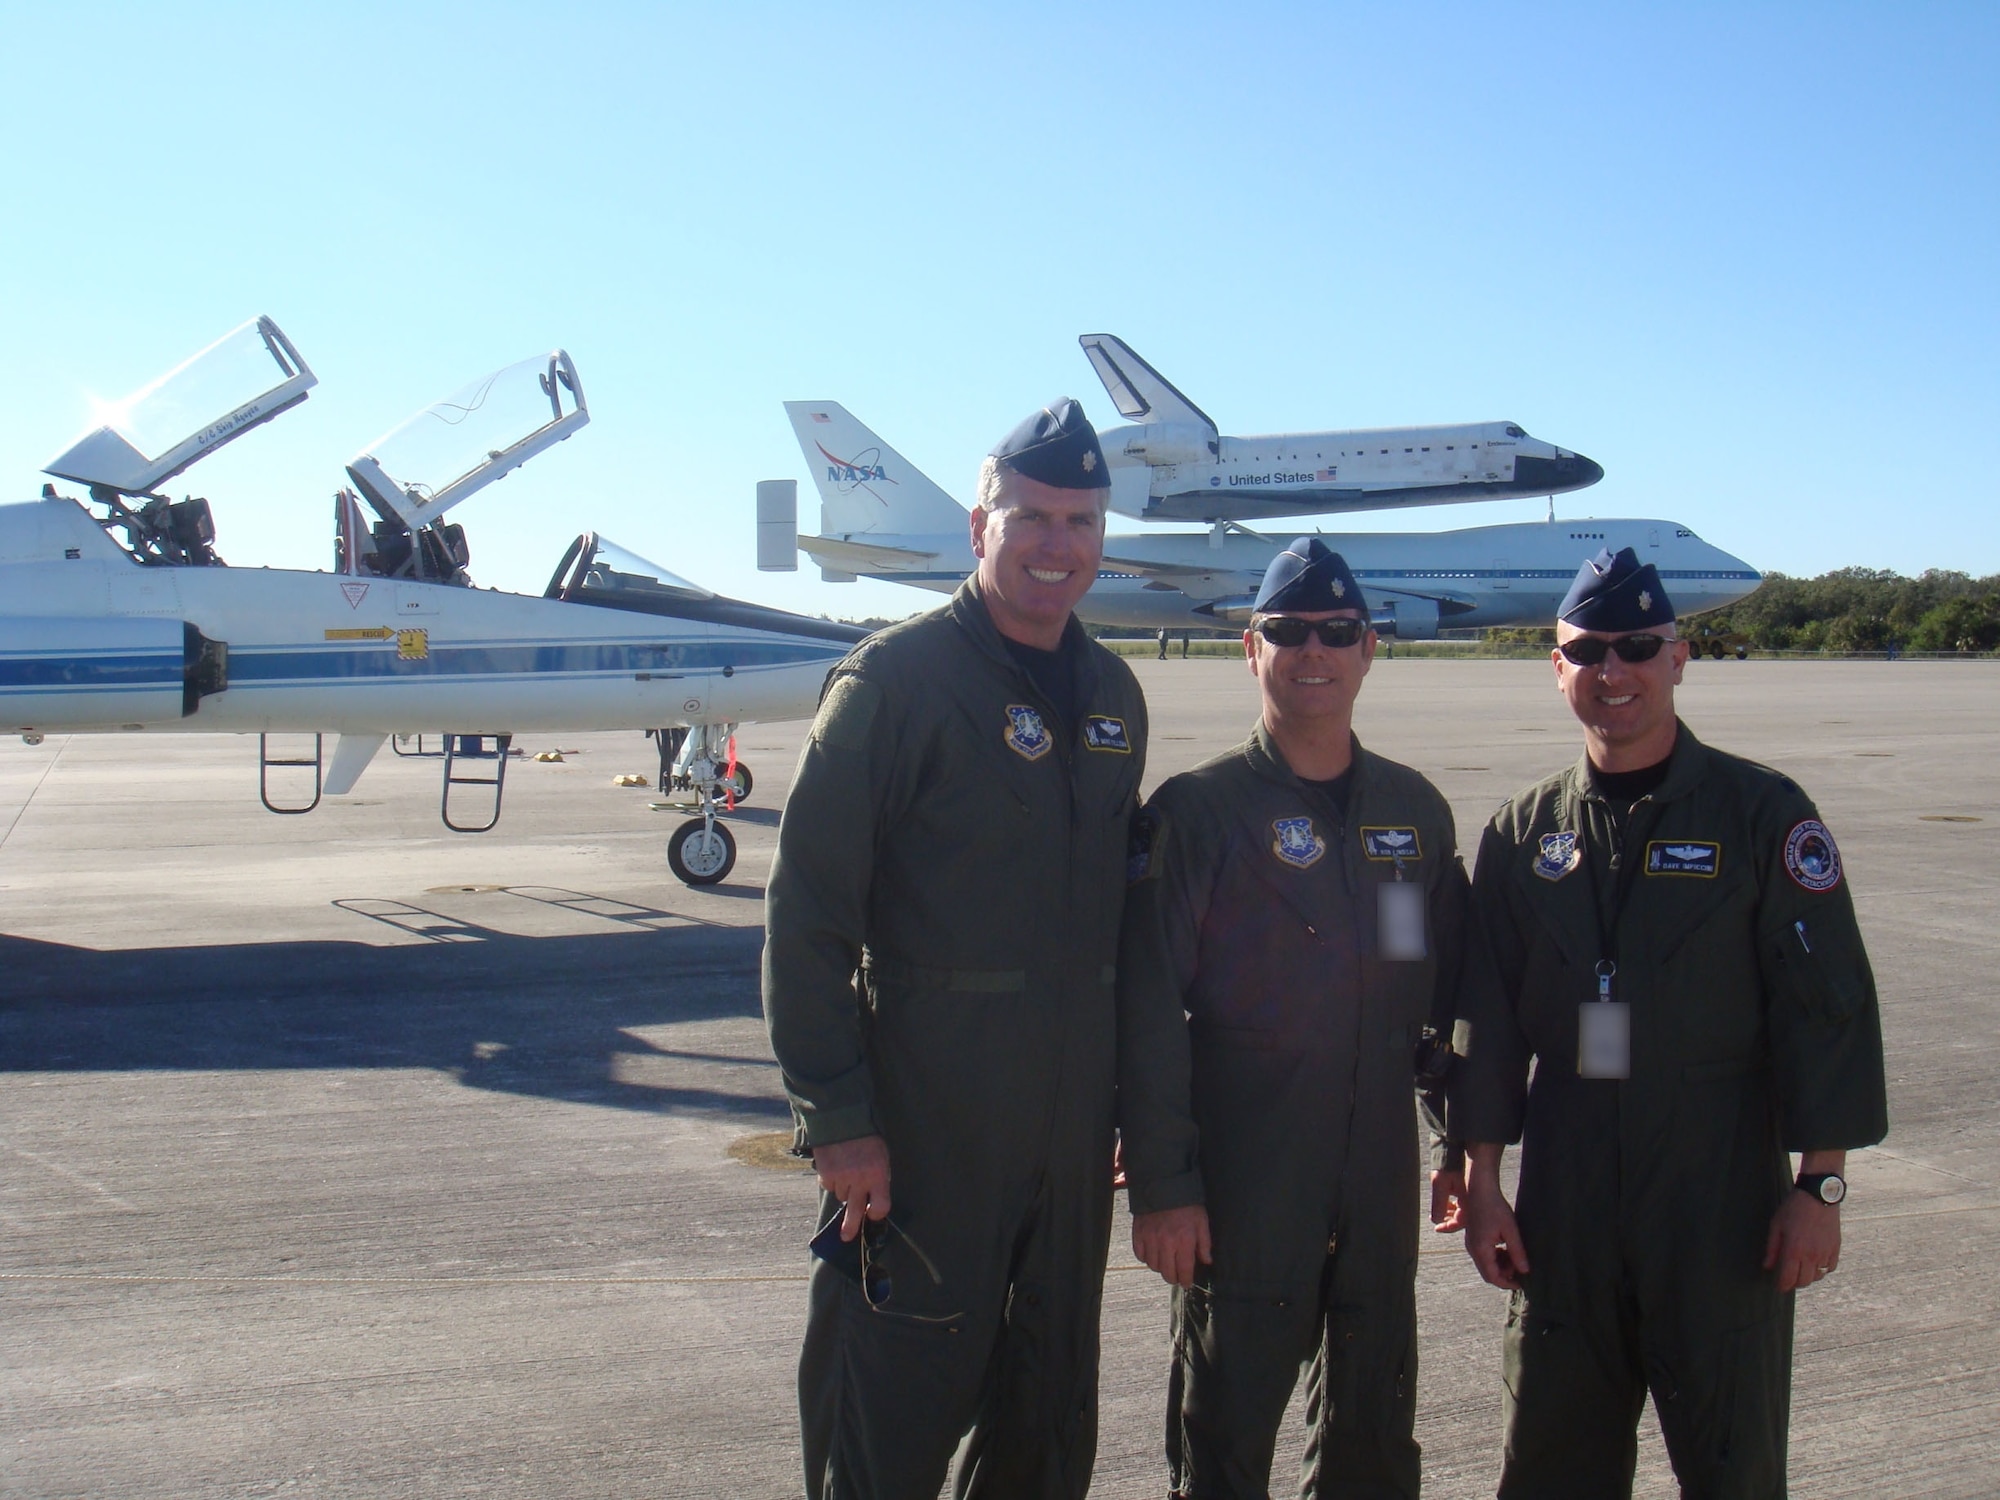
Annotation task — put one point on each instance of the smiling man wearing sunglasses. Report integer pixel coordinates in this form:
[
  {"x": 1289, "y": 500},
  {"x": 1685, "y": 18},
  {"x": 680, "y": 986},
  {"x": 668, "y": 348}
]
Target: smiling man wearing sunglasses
[
  {"x": 1677, "y": 953},
  {"x": 1294, "y": 931}
]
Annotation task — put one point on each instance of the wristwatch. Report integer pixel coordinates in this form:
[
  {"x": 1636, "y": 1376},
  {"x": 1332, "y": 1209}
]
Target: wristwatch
[{"x": 1827, "y": 1187}]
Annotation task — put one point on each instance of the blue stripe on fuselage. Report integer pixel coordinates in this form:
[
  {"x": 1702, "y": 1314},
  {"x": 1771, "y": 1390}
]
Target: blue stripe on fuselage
[
  {"x": 249, "y": 666},
  {"x": 40, "y": 672}
]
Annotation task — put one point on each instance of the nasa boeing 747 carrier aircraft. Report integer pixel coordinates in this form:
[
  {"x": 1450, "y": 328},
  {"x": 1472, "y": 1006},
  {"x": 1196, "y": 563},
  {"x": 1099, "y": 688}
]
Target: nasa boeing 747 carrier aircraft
[{"x": 880, "y": 517}]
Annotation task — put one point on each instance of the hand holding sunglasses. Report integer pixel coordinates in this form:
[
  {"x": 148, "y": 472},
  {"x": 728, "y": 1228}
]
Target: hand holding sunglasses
[
  {"x": 1290, "y": 630},
  {"x": 1590, "y": 650}
]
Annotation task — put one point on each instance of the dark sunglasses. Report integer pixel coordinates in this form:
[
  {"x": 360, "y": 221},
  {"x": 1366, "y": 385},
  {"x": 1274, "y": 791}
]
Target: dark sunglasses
[
  {"x": 1589, "y": 650},
  {"x": 1289, "y": 630},
  {"x": 877, "y": 1285}
]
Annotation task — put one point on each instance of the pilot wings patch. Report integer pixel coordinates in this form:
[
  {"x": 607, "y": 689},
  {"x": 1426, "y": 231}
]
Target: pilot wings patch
[{"x": 1391, "y": 843}]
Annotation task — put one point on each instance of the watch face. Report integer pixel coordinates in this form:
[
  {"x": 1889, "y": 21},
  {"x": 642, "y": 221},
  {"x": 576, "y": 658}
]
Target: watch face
[{"x": 1832, "y": 1189}]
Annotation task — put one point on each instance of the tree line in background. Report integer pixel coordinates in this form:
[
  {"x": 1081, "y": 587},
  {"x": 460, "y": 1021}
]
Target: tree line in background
[
  {"x": 1850, "y": 609},
  {"x": 1866, "y": 609}
]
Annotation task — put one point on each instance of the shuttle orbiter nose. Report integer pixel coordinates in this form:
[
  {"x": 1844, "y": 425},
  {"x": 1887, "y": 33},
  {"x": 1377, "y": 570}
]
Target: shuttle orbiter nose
[{"x": 1566, "y": 471}]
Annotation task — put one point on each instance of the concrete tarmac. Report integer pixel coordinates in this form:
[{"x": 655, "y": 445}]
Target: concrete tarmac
[{"x": 343, "y": 1155}]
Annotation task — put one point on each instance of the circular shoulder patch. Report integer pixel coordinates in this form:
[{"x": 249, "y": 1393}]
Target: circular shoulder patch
[{"x": 1811, "y": 858}]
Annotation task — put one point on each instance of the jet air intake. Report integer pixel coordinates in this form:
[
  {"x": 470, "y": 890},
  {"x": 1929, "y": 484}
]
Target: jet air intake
[{"x": 1405, "y": 618}]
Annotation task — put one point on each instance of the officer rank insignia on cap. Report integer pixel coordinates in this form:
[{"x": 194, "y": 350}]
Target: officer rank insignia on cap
[
  {"x": 1297, "y": 844},
  {"x": 1683, "y": 857},
  {"x": 1391, "y": 843},
  {"x": 1026, "y": 735},
  {"x": 1102, "y": 732},
  {"x": 1056, "y": 446},
  {"x": 1557, "y": 857},
  {"x": 1810, "y": 856}
]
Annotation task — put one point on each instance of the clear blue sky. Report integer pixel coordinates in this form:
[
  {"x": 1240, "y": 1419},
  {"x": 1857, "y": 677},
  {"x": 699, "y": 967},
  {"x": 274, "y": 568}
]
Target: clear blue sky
[{"x": 1742, "y": 255}]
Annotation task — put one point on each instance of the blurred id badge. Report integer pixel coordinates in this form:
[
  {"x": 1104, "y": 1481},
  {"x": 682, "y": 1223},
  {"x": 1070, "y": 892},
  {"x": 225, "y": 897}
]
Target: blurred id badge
[
  {"x": 1603, "y": 1039},
  {"x": 1399, "y": 921}
]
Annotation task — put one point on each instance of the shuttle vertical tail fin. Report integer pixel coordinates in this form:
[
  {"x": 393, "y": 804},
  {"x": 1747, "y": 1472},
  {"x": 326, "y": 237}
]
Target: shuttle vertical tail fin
[
  {"x": 864, "y": 484},
  {"x": 1140, "y": 392}
]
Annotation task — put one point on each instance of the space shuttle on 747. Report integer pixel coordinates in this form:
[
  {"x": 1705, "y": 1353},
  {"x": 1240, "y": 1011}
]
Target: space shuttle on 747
[{"x": 1172, "y": 464}]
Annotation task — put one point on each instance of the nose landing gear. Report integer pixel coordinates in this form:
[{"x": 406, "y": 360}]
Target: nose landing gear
[{"x": 702, "y": 850}]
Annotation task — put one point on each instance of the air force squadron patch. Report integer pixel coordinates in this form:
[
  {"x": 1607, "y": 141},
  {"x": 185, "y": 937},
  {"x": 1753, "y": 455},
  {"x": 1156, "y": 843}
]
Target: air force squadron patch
[
  {"x": 1558, "y": 856},
  {"x": 1296, "y": 842},
  {"x": 1391, "y": 843},
  {"x": 1102, "y": 732},
  {"x": 1810, "y": 856},
  {"x": 1026, "y": 735},
  {"x": 1683, "y": 857}
]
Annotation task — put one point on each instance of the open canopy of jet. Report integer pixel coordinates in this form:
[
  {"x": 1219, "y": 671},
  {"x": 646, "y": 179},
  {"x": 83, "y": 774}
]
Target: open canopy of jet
[
  {"x": 152, "y": 632},
  {"x": 1174, "y": 464},
  {"x": 880, "y": 517}
]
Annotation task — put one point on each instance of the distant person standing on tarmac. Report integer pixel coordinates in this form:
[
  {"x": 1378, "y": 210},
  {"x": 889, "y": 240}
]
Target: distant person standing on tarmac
[
  {"x": 1677, "y": 955},
  {"x": 942, "y": 924},
  {"x": 1163, "y": 645},
  {"x": 1294, "y": 941}
]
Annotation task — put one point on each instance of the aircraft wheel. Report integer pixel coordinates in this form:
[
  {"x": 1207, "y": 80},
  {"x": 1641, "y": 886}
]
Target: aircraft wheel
[
  {"x": 1743, "y": 653},
  {"x": 701, "y": 855},
  {"x": 743, "y": 781}
]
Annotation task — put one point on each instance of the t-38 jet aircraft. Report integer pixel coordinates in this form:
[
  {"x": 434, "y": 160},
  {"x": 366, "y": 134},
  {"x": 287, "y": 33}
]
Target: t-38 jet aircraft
[
  {"x": 1173, "y": 465},
  {"x": 129, "y": 621},
  {"x": 881, "y": 518}
]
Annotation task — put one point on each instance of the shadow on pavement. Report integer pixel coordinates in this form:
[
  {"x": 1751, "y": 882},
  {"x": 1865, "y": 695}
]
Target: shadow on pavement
[{"x": 555, "y": 1017}]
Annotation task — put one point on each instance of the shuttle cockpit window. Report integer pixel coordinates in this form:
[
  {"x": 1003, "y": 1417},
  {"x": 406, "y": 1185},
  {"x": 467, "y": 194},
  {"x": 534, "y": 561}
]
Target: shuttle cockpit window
[{"x": 1513, "y": 431}]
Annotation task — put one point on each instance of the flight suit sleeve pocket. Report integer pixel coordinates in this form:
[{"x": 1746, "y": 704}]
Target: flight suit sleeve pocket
[{"x": 1809, "y": 967}]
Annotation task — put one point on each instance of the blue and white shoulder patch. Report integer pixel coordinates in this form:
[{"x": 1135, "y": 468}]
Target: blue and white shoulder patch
[
  {"x": 1557, "y": 856},
  {"x": 1811, "y": 858},
  {"x": 1026, "y": 735},
  {"x": 1297, "y": 842}
]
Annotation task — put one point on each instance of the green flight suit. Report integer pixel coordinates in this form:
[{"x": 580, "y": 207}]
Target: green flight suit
[
  {"x": 1644, "y": 1204},
  {"x": 942, "y": 933},
  {"x": 1266, "y": 1059}
]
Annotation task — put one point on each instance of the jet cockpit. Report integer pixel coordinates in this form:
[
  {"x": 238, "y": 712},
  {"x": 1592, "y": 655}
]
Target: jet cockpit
[
  {"x": 446, "y": 453},
  {"x": 239, "y": 382}
]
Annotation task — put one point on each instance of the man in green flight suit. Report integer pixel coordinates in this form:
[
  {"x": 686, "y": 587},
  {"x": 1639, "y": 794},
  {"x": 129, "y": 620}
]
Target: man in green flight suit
[
  {"x": 1677, "y": 952},
  {"x": 942, "y": 923},
  {"x": 1294, "y": 933}
]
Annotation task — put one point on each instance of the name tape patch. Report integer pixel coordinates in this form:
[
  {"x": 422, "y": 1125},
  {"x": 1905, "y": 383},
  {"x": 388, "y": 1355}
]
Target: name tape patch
[
  {"x": 1391, "y": 843},
  {"x": 1102, "y": 732},
  {"x": 1683, "y": 857}
]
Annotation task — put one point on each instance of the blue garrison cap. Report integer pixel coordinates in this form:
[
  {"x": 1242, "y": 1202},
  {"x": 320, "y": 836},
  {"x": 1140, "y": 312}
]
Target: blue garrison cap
[
  {"x": 1056, "y": 446},
  {"x": 1615, "y": 594},
  {"x": 1308, "y": 577}
]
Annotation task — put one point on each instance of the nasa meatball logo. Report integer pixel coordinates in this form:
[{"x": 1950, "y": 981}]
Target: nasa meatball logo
[
  {"x": 1296, "y": 842},
  {"x": 1810, "y": 856},
  {"x": 1557, "y": 856},
  {"x": 1026, "y": 735}
]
